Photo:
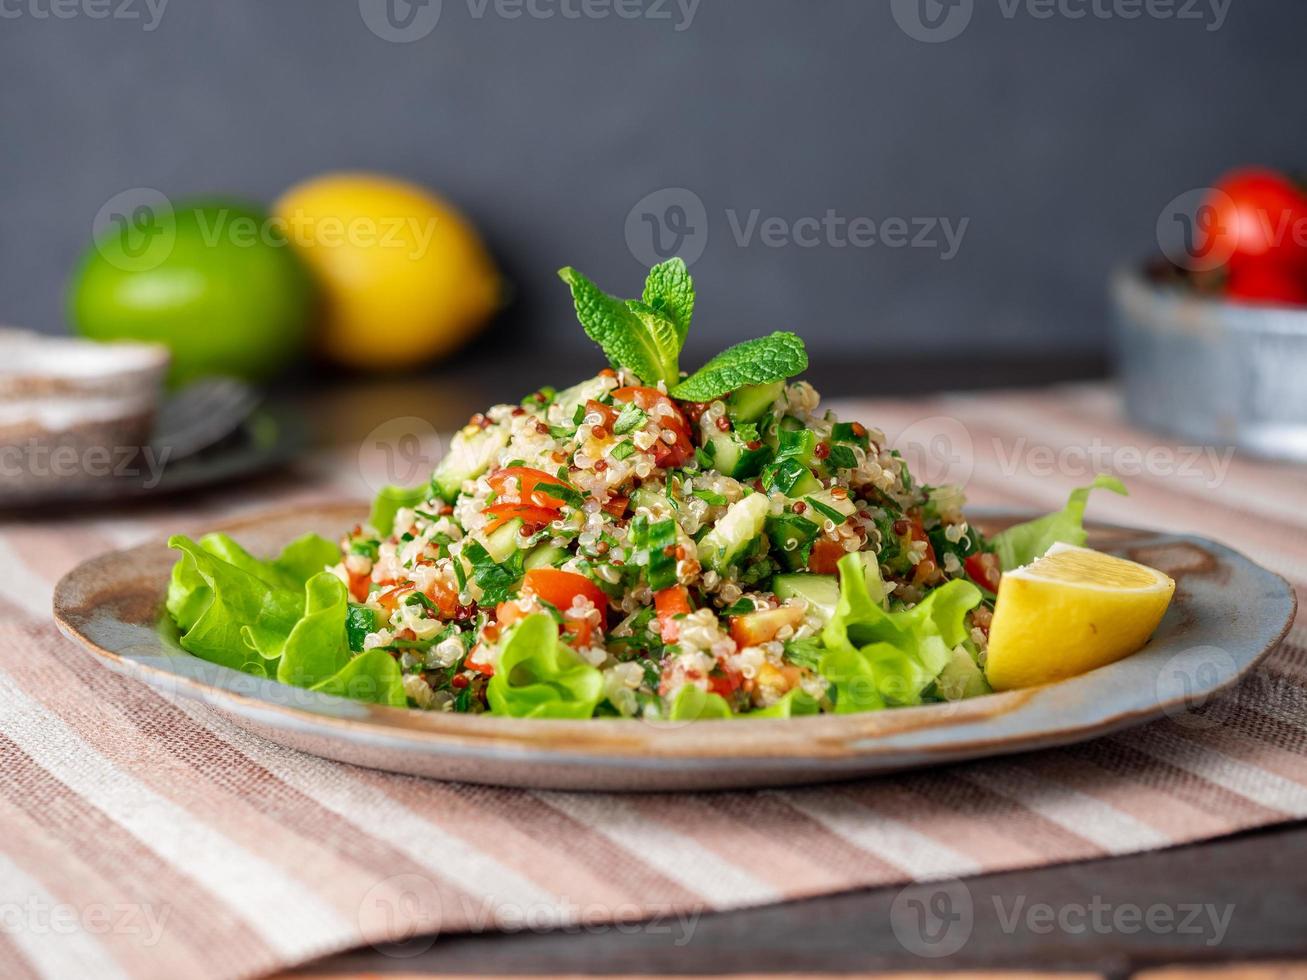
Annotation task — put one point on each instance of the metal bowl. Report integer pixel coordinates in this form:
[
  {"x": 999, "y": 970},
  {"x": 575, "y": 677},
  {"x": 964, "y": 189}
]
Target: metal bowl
[{"x": 1211, "y": 371}]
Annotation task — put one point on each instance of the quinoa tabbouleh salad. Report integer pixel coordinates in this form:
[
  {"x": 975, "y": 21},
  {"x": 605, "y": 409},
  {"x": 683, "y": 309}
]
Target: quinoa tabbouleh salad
[{"x": 641, "y": 544}]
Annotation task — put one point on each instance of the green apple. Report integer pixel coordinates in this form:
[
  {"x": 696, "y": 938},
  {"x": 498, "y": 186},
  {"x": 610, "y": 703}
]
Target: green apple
[{"x": 213, "y": 280}]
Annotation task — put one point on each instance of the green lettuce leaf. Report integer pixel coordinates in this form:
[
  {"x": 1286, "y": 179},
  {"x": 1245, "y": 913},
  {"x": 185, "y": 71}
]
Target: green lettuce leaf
[
  {"x": 539, "y": 677},
  {"x": 754, "y": 362},
  {"x": 693, "y": 703},
  {"x": 227, "y": 614},
  {"x": 298, "y": 562},
  {"x": 316, "y": 646},
  {"x": 793, "y": 705},
  {"x": 373, "y": 676},
  {"x": 1023, "y": 543},
  {"x": 875, "y": 657},
  {"x": 388, "y": 504}
]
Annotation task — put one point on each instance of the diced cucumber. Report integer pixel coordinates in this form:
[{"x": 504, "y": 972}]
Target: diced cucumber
[
  {"x": 544, "y": 556},
  {"x": 731, "y": 536},
  {"x": 789, "y": 534},
  {"x": 471, "y": 452},
  {"x": 732, "y": 458},
  {"x": 568, "y": 399},
  {"x": 806, "y": 485},
  {"x": 961, "y": 678},
  {"x": 820, "y": 591},
  {"x": 657, "y": 504},
  {"x": 502, "y": 541},
  {"x": 843, "y": 505},
  {"x": 752, "y": 403}
]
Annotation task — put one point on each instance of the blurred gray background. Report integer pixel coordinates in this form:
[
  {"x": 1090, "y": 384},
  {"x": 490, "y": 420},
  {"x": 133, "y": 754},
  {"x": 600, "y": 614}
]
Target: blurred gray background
[{"x": 1049, "y": 143}]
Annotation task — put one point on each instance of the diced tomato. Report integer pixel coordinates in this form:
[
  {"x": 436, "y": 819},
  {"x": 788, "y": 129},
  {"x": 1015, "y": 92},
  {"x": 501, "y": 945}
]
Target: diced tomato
[
  {"x": 579, "y": 632},
  {"x": 669, "y": 417},
  {"x": 389, "y": 599},
  {"x": 471, "y": 663},
  {"x": 358, "y": 586},
  {"x": 756, "y": 628},
  {"x": 919, "y": 534},
  {"x": 508, "y": 613},
  {"x": 607, "y": 414},
  {"x": 983, "y": 567},
  {"x": 559, "y": 588},
  {"x": 501, "y": 514},
  {"x": 670, "y": 603},
  {"x": 529, "y": 489},
  {"x": 825, "y": 557},
  {"x": 616, "y": 505},
  {"x": 445, "y": 599},
  {"x": 725, "y": 681}
]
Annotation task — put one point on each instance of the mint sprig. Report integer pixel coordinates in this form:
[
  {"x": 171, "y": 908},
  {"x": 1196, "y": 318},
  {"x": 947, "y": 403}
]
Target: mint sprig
[
  {"x": 645, "y": 336},
  {"x": 754, "y": 362}
]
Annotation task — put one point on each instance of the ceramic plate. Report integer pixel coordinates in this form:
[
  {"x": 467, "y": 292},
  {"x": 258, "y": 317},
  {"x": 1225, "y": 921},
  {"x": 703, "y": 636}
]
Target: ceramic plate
[{"x": 1227, "y": 614}]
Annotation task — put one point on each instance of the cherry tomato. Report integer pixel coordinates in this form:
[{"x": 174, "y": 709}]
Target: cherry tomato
[
  {"x": 1256, "y": 216},
  {"x": 529, "y": 487},
  {"x": 559, "y": 588},
  {"x": 670, "y": 603},
  {"x": 1269, "y": 285},
  {"x": 664, "y": 410},
  {"x": 616, "y": 505},
  {"x": 984, "y": 570},
  {"x": 501, "y": 514}
]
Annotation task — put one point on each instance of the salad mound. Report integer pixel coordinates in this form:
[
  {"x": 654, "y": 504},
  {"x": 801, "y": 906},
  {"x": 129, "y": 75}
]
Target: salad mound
[{"x": 641, "y": 544}]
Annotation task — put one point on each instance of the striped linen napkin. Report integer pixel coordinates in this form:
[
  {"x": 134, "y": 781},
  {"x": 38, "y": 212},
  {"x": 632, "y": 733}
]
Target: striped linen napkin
[{"x": 139, "y": 837}]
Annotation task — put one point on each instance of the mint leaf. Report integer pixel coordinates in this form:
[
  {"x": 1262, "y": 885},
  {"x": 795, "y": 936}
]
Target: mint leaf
[
  {"x": 669, "y": 289},
  {"x": 662, "y": 332},
  {"x": 754, "y": 362},
  {"x": 632, "y": 418},
  {"x": 640, "y": 339}
]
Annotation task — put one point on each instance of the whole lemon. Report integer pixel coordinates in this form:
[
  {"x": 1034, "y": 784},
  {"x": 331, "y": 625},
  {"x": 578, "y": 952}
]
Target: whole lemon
[{"x": 404, "y": 277}]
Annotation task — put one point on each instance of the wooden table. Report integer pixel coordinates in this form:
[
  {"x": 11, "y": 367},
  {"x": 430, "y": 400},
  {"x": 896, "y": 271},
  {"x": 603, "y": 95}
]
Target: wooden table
[{"x": 1260, "y": 878}]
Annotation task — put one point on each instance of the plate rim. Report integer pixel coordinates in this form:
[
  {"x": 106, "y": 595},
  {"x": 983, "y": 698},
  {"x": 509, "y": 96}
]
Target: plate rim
[{"x": 829, "y": 740}]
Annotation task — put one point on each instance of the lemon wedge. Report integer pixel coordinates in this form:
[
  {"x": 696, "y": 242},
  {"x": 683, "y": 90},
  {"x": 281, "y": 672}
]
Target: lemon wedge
[{"x": 1071, "y": 611}]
